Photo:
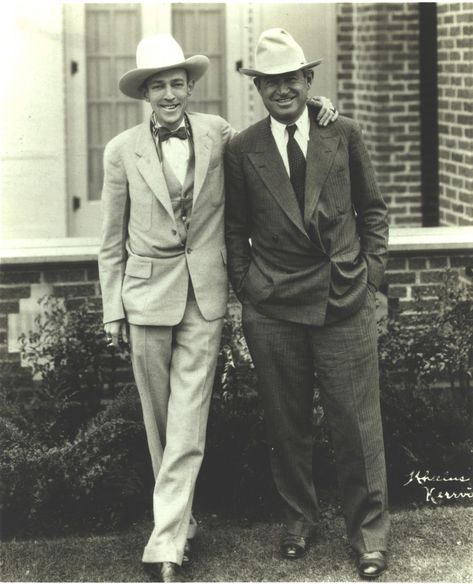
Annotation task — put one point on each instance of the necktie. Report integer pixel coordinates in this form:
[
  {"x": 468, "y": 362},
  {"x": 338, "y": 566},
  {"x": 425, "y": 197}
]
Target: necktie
[
  {"x": 164, "y": 133},
  {"x": 296, "y": 166}
]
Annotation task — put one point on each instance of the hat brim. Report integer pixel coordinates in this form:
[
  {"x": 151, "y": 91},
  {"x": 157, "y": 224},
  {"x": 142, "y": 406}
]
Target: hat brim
[
  {"x": 131, "y": 82},
  {"x": 280, "y": 69}
]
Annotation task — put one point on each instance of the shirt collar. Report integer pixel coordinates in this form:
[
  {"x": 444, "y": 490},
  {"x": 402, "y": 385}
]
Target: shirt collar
[
  {"x": 303, "y": 125},
  {"x": 154, "y": 124},
  {"x": 154, "y": 121}
]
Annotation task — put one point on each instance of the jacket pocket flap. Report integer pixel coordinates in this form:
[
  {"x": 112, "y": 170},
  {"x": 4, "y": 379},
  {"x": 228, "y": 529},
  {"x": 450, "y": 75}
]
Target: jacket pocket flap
[{"x": 138, "y": 269}]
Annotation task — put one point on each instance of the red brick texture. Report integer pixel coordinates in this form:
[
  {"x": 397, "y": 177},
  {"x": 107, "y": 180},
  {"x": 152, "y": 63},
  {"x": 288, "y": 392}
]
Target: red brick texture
[
  {"x": 407, "y": 272},
  {"x": 378, "y": 79},
  {"x": 75, "y": 282},
  {"x": 455, "y": 84}
]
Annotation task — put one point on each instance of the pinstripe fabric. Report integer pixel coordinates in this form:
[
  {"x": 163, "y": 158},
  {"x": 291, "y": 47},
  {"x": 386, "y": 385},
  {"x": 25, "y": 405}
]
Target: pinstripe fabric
[
  {"x": 345, "y": 357},
  {"x": 303, "y": 283},
  {"x": 313, "y": 269}
]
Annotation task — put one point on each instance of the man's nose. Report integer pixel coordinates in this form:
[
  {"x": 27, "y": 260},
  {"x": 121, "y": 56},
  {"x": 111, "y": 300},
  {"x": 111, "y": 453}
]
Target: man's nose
[
  {"x": 283, "y": 87},
  {"x": 168, "y": 94}
]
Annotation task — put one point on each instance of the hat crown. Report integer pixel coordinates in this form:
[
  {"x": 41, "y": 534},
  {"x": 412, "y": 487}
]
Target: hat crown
[
  {"x": 277, "y": 48},
  {"x": 160, "y": 50}
]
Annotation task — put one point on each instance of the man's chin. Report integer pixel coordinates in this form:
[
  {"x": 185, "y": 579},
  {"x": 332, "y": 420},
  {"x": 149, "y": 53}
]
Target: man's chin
[{"x": 171, "y": 120}]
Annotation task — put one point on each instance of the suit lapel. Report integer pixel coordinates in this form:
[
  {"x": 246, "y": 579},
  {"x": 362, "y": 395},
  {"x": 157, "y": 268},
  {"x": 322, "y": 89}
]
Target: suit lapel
[
  {"x": 269, "y": 165},
  {"x": 321, "y": 150},
  {"x": 150, "y": 168},
  {"x": 202, "y": 150}
]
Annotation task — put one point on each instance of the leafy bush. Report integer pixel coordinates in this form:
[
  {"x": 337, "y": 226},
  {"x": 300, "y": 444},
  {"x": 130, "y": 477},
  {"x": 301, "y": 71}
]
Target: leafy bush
[
  {"x": 67, "y": 354},
  {"x": 426, "y": 359},
  {"x": 99, "y": 479},
  {"x": 70, "y": 460}
]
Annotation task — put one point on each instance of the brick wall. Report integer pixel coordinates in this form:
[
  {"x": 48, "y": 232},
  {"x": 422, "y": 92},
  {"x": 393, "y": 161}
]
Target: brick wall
[
  {"x": 378, "y": 77},
  {"x": 455, "y": 83},
  {"x": 418, "y": 260},
  {"x": 73, "y": 281}
]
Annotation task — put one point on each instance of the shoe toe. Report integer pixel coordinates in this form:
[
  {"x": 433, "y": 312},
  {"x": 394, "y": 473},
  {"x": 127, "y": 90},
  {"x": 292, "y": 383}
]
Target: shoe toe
[{"x": 371, "y": 564}]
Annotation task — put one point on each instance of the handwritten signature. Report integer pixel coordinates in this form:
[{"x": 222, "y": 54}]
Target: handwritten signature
[{"x": 457, "y": 488}]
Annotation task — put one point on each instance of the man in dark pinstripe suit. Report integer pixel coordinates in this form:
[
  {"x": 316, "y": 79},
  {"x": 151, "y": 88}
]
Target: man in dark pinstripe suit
[{"x": 307, "y": 234}]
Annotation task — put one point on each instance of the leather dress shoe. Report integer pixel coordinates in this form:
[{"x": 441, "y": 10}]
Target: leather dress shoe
[
  {"x": 161, "y": 572},
  {"x": 371, "y": 564},
  {"x": 294, "y": 547},
  {"x": 168, "y": 572}
]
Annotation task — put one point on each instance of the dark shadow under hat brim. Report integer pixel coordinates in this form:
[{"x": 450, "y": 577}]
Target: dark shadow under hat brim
[{"x": 131, "y": 83}]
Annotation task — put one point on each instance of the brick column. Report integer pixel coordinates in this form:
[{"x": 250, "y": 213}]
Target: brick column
[
  {"x": 378, "y": 76},
  {"x": 455, "y": 82}
]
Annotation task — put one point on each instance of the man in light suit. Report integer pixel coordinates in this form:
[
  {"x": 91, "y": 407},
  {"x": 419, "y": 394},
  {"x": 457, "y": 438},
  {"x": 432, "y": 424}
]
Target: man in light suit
[
  {"x": 163, "y": 275},
  {"x": 307, "y": 234}
]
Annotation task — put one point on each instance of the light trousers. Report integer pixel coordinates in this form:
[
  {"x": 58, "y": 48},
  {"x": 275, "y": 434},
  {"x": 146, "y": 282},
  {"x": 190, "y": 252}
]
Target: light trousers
[{"x": 174, "y": 368}]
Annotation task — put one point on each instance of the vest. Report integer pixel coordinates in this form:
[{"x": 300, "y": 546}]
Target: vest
[{"x": 182, "y": 196}]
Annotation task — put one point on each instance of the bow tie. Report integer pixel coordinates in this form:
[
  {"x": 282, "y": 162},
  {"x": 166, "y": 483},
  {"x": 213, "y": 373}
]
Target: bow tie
[{"x": 164, "y": 133}]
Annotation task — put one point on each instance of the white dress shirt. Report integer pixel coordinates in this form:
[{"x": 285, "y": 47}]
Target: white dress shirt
[
  {"x": 177, "y": 152},
  {"x": 301, "y": 135}
]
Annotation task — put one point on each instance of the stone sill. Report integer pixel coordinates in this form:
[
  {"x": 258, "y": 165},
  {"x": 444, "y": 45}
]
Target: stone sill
[{"x": 85, "y": 249}]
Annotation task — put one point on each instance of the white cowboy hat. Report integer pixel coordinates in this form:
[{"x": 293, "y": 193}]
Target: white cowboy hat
[
  {"x": 156, "y": 53},
  {"x": 276, "y": 53}
]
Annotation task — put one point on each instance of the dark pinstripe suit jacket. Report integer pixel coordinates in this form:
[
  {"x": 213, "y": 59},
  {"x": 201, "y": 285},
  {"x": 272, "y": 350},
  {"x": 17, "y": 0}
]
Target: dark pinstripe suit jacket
[{"x": 312, "y": 269}]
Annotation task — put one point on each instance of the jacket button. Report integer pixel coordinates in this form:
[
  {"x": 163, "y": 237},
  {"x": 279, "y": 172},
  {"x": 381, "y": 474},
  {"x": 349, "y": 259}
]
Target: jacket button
[
  {"x": 189, "y": 250},
  {"x": 275, "y": 238},
  {"x": 174, "y": 232}
]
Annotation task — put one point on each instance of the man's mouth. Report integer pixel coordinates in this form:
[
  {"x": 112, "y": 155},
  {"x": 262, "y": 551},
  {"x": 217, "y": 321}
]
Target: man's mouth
[
  {"x": 170, "y": 107},
  {"x": 284, "y": 100}
]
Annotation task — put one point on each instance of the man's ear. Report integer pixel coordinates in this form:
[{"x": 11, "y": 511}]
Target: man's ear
[
  {"x": 256, "y": 82},
  {"x": 310, "y": 77},
  {"x": 190, "y": 86}
]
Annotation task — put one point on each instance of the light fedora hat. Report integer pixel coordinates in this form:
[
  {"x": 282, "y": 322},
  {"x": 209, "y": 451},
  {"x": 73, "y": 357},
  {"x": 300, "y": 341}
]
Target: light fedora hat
[
  {"x": 156, "y": 53},
  {"x": 276, "y": 53}
]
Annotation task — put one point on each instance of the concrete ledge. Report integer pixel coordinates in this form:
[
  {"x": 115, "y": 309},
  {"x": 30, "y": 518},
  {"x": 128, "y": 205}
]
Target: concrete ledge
[
  {"x": 83, "y": 249},
  {"x": 431, "y": 239},
  {"x": 54, "y": 250}
]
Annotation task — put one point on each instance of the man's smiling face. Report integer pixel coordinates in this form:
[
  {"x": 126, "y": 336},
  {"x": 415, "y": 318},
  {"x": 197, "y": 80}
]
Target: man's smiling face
[
  {"x": 285, "y": 95},
  {"x": 167, "y": 93}
]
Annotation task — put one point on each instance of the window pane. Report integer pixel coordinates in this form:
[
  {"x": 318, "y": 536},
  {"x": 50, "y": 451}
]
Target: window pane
[{"x": 113, "y": 32}]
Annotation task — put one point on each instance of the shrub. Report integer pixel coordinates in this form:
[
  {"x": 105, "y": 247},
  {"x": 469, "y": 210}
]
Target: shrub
[
  {"x": 71, "y": 460},
  {"x": 426, "y": 389},
  {"x": 67, "y": 457},
  {"x": 97, "y": 480},
  {"x": 67, "y": 354}
]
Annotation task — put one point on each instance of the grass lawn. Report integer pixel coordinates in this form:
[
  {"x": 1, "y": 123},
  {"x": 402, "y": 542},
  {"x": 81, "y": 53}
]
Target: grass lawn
[{"x": 427, "y": 545}]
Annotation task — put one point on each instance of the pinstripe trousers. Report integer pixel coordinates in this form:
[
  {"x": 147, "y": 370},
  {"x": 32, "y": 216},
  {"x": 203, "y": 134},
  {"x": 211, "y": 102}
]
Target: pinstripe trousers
[{"x": 344, "y": 355}]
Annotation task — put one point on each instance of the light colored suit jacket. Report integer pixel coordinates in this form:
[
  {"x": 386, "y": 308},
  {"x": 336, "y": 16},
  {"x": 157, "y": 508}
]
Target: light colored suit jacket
[
  {"x": 312, "y": 269},
  {"x": 144, "y": 268}
]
